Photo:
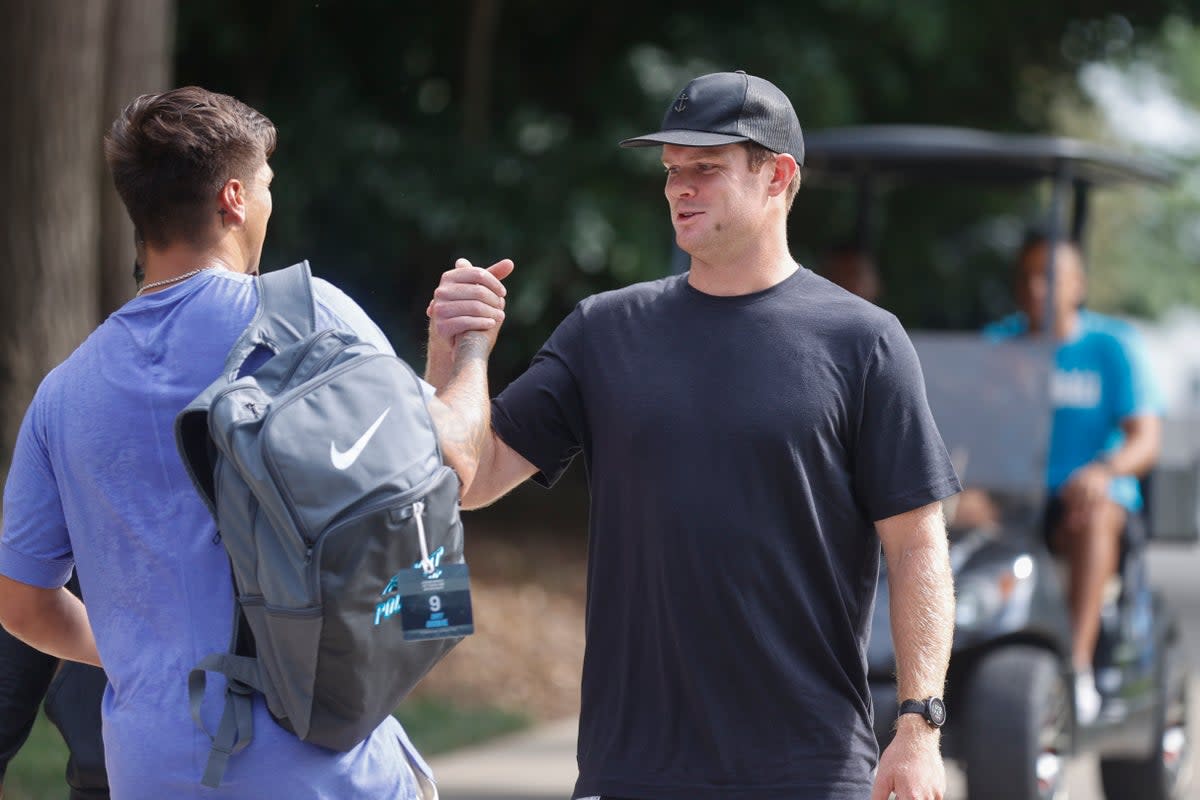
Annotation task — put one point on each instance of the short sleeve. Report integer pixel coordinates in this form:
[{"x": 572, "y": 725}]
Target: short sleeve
[
  {"x": 1140, "y": 393},
  {"x": 35, "y": 547},
  {"x": 900, "y": 461},
  {"x": 336, "y": 309},
  {"x": 541, "y": 413}
]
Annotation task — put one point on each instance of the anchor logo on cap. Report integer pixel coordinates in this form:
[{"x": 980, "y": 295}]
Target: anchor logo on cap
[{"x": 681, "y": 103}]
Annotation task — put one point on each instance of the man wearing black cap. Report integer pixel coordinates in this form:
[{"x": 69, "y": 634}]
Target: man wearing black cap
[{"x": 751, "y": 433}]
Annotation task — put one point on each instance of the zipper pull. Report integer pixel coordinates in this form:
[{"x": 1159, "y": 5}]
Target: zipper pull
[
  {"x": 308, "y": 555},
  {"x": 418, "y": 515}
]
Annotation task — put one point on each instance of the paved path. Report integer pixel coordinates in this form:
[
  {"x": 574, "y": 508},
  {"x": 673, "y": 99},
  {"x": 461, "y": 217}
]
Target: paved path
[
  {"x": 532, "y": 765},
  {"x": 540, "y": 764}
]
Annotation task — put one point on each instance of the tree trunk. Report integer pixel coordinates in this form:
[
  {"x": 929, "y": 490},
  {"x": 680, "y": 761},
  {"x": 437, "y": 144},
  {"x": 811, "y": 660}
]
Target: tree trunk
[
  {"x": 54, "y": 63},
  {"x": 477, "y": 79},
  {"x": 140, "y": 45}
]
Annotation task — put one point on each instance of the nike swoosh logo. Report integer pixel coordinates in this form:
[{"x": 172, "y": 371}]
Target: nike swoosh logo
[{"x": 343, "y": 460}]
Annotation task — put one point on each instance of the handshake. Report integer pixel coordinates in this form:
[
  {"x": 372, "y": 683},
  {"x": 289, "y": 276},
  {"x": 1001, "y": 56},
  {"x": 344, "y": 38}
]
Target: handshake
[{"x": 467, "y": 306}]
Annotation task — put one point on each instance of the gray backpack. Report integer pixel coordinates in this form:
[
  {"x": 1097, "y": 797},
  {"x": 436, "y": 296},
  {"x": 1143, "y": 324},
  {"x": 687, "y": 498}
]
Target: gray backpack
[{"x": 324, "y": 474}]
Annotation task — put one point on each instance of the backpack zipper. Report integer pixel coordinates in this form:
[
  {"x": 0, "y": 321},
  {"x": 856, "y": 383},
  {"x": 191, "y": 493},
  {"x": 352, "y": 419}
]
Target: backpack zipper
[
  {"x": 405, "y": 504},
  {"x": 291, "y": 373},
  {"x": 418, "y": 512}
]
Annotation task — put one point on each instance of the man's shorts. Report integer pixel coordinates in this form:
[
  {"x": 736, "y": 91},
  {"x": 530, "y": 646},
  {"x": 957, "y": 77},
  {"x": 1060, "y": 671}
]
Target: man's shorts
[{"x": 1133, "y": 532}]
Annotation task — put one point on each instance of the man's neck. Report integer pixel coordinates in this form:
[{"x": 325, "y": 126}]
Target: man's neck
[
  {"x": 1066, "y": 324},
  {"x": 734, "y": 277},
  {"x": 176, "y": 260},
  {"x": 757, "y": 268}
]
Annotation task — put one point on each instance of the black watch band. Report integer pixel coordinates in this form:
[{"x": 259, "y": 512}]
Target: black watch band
[{"x": 931, "y": 709}]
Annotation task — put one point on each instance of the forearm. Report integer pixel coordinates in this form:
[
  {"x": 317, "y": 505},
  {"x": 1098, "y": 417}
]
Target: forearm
[
  {"x": 463, "y": 414},
  {"x": 1139, "y": 451},
  {"x": 439, "y": 360},
  {"x": 53, "y": 621},
  {"x": 922, "y": 610},
  {"x": 501, "y": 469}
]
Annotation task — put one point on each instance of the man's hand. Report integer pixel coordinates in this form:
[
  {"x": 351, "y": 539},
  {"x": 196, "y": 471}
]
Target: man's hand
[
  {"x": 911, "y": 767},
  {"x": 464, "y": 319},
  {"x": 468, "y": 299},
  {"x": 467, "y": 305}
]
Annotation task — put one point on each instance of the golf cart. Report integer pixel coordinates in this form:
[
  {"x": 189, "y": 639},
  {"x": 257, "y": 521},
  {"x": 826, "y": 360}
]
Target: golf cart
[{"x": 1012, "y": 721}]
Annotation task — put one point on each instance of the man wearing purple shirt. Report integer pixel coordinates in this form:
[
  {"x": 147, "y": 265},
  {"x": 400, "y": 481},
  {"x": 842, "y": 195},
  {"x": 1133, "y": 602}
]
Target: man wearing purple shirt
[{"x": 97, "y": 488}]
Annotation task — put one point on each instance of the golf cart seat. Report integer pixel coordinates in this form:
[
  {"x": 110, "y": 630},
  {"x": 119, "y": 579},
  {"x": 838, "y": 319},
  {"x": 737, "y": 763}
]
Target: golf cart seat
[{"x": 1172, "y": 489}]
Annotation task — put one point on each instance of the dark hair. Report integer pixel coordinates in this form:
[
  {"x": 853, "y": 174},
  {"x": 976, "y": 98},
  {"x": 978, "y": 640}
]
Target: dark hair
[
  {"x": 1038, "y": 235},
  {"x": 171, "y": 153},
  {"x": 760, "y": 155}
]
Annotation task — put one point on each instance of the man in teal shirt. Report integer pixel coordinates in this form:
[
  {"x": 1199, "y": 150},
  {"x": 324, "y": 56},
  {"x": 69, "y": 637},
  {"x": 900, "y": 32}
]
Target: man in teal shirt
[{"x": 1105, "y": 436}]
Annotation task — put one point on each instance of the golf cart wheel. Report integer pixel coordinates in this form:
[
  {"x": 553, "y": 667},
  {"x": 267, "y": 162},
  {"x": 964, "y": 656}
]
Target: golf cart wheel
[
  {"x": 1018, "y": 725},
  {"x": 1166, "y": 772}
]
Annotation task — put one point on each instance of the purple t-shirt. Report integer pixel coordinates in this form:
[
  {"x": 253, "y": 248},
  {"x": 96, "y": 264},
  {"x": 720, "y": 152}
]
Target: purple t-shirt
[{"x": 96, "y": 485}]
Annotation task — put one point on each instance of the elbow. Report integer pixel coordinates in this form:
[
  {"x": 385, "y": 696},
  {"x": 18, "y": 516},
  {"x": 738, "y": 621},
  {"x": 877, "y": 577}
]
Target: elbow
[
  {"x": 18, "y": 621},
  {"x": 474, "y": 500},
  {"x": 1155, "y": 442},
  {"x": 466, "y": 478},
  {"x": 464, "y": 464},
  {"x": 1145, "y": 435},
  {"x": 476, "y": 494}
]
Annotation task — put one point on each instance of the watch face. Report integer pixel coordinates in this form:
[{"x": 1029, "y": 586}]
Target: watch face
[{"x": 937, "y": 711}]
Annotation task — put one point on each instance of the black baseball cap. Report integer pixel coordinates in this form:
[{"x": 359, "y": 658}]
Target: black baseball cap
[{"x": 727, "y": 107}]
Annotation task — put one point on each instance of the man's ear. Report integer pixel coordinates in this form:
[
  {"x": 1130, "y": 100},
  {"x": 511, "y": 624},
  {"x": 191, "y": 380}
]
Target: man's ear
[
  {"x": 231, "y": 203},
  {"x": 785, "y": 169}
]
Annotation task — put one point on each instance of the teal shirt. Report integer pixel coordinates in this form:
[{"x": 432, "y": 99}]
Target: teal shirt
[{"x": 1101, "y": 377}]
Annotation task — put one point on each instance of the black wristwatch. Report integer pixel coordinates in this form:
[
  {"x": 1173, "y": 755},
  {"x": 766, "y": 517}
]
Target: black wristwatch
[{"x": 931, "y": 708}]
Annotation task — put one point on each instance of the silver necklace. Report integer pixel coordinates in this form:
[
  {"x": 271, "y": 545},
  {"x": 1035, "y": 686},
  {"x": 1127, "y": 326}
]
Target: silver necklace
[{"x": 176, "y": 279}]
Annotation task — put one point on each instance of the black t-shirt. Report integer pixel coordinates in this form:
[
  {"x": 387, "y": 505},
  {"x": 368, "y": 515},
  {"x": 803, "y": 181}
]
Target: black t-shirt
[{"x": 738, "y": 450}]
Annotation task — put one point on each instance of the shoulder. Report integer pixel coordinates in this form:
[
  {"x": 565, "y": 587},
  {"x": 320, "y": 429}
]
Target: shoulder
[
  {"x": 337, "y": 309},
  {"x": 1110, "y": 334},
  {"x": 332, "y": 298},
  {"x": 1103, "y": 326},
  {"x": 841, "y": 313},
  {"x": 1009, "y": 327},
  {"x": 50, "y": 395},
  {"x": 631, "y": 298}
]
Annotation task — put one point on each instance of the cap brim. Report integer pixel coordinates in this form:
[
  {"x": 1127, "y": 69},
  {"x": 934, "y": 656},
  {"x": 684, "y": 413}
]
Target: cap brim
[{"x": 684, "y": 138}]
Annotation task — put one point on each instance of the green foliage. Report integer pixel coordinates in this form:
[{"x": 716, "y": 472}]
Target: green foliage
[
  {"x": 37, "y": 773},
  {"x": 407, "y": 141},
  {"x": 437, "y": 725},
  {"x": 1144, "y": 243}
]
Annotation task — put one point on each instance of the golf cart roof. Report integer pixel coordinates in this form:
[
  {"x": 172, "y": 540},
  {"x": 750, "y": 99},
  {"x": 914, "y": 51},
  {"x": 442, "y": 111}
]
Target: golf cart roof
[{"x": 926, "y": 152}]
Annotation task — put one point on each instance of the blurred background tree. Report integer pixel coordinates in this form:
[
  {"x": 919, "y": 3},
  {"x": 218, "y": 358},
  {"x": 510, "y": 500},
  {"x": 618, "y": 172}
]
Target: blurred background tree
[
  {"x": 66, "y": 248},
  {"x": 412, "y": 134},
  {"x": 1144, "y": 98}
]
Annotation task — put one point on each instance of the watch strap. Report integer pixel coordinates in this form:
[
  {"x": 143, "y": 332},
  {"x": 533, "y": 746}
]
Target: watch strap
[{"x": 935, "y": 717}]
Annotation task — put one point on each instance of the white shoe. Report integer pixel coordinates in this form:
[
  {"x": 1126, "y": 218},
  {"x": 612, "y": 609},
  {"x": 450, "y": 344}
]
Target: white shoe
[{"x": 1087, "y": 698}]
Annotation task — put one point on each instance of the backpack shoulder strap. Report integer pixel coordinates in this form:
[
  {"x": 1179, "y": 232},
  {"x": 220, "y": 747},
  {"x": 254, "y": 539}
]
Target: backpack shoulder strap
[{"x": 287, "y": 312}]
